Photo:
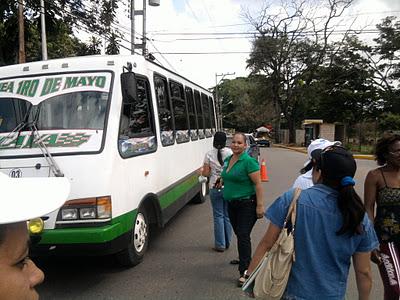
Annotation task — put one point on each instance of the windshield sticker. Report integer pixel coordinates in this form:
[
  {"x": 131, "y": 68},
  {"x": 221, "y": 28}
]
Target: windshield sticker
[
  {"x": 35, "y": 90},
  {"x": 27, "y": 140}
]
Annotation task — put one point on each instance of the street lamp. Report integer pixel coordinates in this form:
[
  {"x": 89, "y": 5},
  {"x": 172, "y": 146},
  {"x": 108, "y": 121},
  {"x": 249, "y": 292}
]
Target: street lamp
[
  {"x": 217, "y": 102},
  {"x": 143, "y": 14}
]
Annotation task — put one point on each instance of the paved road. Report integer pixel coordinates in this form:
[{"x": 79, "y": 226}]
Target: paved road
[{"x": 179, "y": 263}]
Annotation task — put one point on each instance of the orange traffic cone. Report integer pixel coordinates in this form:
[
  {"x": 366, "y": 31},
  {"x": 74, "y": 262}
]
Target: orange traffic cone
[{"x": 263, "y": 171}]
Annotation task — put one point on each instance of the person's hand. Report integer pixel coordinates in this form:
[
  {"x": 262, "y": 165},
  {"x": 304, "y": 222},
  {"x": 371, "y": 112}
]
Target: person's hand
[
  {"x": 200, "y": 171},
  {"x": 376, "y": 257},
  {"x": 260, "y": 211},
  {"x": 218, "y": 183}
]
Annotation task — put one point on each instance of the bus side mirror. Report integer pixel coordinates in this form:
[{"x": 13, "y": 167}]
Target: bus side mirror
[{"x": 128, "y": 86}]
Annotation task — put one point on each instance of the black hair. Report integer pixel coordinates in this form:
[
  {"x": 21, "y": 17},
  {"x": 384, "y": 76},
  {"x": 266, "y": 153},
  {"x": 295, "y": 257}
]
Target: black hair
[
  {"x": 306, "y": 168},
  {"x": 336, "y": 163},
  {"x": 219, "y": 143},
  {"x": 382, "y": 146}
]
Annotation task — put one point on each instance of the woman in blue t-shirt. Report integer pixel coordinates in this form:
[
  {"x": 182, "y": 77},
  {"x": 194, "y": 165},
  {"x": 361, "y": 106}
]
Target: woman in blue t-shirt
[{"x": 331, "y": 229}]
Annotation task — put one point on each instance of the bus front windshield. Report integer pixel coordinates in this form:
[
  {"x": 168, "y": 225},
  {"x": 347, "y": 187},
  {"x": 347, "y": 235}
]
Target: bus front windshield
[{"x": 77, "y": 110}]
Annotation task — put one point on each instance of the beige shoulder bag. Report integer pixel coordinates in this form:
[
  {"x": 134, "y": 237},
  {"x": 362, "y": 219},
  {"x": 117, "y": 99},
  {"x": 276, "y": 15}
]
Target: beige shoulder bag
[{"x": 271, "y": 280}]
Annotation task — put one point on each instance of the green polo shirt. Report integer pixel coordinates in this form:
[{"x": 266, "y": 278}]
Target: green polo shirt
[{"x": 237, "y": 183}]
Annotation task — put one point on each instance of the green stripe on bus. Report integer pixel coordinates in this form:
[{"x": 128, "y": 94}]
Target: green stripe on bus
[
  {"x": 90, "y": 235},
  {"x": 175, "y": 193},
  {"x": 118, "y": 226}
]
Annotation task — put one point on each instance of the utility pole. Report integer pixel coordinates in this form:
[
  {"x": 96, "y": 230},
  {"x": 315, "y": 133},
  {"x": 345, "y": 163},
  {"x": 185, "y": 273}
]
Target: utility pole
[
  {"x": 217, "y": 100},
  {"x": 144, "y": 50},
  {"x": 132, "y": 27},
  {"x": 21, "y": 34},
  {"x": 143, "y": 14},
  {"x": 43, "y": 29}
]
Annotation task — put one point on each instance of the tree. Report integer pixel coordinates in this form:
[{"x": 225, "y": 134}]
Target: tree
[
  {"x": 113, "y": 44},
  {"x": 93, "y": 46},
  {"x": 107, "y": 18},
  {"x": 244, "y": 106},
  {"x": 96, "y": 17},
  {"x": 288, "y": 55}
]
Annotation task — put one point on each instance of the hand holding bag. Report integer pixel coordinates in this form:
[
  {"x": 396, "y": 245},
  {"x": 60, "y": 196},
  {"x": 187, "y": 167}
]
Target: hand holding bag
[{"x": 273, "y": 273}]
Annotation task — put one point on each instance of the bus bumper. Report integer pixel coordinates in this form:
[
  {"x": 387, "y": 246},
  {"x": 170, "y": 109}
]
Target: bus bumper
[{"x": 81, "y": 241}]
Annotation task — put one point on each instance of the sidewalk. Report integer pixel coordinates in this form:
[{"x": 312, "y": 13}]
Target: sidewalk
[{"x": 304, "y": 150}]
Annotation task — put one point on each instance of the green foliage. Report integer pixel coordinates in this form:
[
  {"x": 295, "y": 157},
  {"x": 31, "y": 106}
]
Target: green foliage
[
  {"x": 345, "y": 81},
  {"x": 113, "y": 44},
  {"x": 346, "y": 91},
  {"x": 62, "y": 16},
  {"x": 389, "y": 121},
  {"x": 243, "y": 104}
]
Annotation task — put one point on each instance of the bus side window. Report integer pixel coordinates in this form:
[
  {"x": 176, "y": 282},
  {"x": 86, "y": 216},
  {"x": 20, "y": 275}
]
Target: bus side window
[
  {"x": 137, "y": 134},
  {"x": 193, "y": 125},
  {"x": 200, "y": 116},
  {"x": 207, "y": 116},
  {"x": 212, "y": 113},
  {"x": 165, "y": 113},
  {"x": 180, "y": 112}
]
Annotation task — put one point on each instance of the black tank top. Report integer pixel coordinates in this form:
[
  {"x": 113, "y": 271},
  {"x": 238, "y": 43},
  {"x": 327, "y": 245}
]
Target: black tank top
[{"x": 387, "y": 220}]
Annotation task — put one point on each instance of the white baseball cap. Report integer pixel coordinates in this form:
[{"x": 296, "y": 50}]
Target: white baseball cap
[
  {"x": 319, "y": 144},
  {"x": 26, "y": 198}
]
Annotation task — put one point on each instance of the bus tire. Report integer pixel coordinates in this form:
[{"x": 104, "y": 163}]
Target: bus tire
[
  {"x": 139, "y": 241},
  {"x": 200, "y": 197}
]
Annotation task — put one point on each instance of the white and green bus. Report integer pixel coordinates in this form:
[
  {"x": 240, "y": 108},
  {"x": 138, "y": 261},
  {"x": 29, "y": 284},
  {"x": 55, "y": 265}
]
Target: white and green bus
[{"x": 128, "y": 134}]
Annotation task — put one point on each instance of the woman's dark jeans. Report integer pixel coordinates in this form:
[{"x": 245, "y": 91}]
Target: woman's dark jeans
[{"x": 243, "y": 216}]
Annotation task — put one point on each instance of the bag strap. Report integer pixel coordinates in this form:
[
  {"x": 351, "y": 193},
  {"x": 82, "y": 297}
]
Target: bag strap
[{"x": 293, "y": 208}]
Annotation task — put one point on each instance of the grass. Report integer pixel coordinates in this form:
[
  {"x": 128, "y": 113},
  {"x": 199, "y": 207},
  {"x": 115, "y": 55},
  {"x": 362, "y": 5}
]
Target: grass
[{"x": 365, "y": 149}]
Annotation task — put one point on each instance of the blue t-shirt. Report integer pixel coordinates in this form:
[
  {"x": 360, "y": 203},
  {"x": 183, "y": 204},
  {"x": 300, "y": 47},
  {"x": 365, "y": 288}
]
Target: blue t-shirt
[{"x": 322, "y": 257}]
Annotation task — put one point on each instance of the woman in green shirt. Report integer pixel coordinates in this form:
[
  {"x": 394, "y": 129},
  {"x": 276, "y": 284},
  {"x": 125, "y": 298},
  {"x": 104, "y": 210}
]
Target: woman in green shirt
[{"x": 244, "y": 193}]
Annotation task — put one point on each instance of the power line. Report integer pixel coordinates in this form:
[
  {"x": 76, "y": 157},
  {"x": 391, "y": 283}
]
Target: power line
[
  {"x": 161, "y": 54},
  {"x": 262, "y": 52},
  {"x": 258, "y": 33},
  {"x": 248, "y": 23},
  {"x": 213, "y": 26},
  {"x": 192, "y": 11}
]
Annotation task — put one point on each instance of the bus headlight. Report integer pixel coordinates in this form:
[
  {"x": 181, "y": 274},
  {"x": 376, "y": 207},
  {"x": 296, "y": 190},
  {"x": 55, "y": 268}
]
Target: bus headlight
[
  {"x": 87, "y": 213},
  {"x": 86, "y": 209},
  {"x": 69, "y": 213}
]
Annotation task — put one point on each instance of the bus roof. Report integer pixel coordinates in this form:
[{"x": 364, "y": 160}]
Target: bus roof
[{"x": 78, "y": 63}]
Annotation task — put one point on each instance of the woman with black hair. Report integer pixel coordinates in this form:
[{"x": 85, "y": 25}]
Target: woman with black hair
[
  {"x": 244, "y": 194},
  {"x": 382, "y": 188},
  {"x": 212, "y": 167},
  {"x": 331, "y": 229}
]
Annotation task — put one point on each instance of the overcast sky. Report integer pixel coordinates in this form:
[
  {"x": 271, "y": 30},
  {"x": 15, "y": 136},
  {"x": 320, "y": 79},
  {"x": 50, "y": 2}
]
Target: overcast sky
[{"x": 222, "y": 16}]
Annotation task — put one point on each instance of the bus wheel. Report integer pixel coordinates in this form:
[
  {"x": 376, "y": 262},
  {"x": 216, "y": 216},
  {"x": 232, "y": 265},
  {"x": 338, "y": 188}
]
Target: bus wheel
[
  {"x": 138, "y": 243},
  {"x": 201, "y": 195}
]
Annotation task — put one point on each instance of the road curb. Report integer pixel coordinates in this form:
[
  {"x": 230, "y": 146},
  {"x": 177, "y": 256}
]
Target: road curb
[{"x": 304, "y": 150}]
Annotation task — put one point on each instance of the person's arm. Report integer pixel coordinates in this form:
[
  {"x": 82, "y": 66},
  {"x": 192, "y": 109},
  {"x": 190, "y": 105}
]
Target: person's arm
[
  {"x": 255, "y": 177},
  {"x": 362, "y": 268},
  {"x": 206, "y": 170},
  {"x": 266, "y": 243},
  {"x": 370, "y": 191}
]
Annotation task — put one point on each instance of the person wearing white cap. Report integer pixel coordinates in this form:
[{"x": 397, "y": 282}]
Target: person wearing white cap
[
  {"x": 304, "y": 181},
  {"x": 24, "y": 199}
]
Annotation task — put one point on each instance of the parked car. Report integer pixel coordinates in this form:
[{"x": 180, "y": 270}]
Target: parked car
[
  {"x": 263, "y": 142},
  {"x": 252, "y": 148}
]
